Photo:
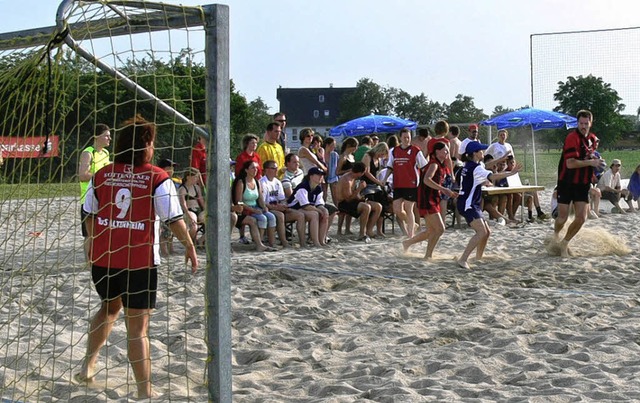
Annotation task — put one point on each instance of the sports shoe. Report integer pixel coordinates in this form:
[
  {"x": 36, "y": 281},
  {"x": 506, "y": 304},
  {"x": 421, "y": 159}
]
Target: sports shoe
[
  {"x": 543, "y": 216},
  {"x": 502, "y": 221},
  {"x": 244, "y": 240}
]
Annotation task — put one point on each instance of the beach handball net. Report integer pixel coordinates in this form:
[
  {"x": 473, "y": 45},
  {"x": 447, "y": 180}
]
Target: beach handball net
[
  {"x": 610, "y": 54},
  {"x": 103, "y": 62}
]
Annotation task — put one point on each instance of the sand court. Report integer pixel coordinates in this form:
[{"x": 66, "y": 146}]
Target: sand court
[{"x": 345, "y": 323}]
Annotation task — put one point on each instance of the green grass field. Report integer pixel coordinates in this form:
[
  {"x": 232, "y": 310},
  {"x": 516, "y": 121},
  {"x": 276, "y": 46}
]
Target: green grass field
[
  {"x": 547, "y": 163},
  {"x": 38, "y": 191}
]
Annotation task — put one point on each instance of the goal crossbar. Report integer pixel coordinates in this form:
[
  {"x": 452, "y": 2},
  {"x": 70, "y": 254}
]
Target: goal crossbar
[{"x": 155, "y": 21}]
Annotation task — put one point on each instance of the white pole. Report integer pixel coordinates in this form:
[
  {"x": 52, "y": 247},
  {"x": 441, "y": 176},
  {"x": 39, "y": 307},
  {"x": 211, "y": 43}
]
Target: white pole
[{"x": 535, "y": 166}]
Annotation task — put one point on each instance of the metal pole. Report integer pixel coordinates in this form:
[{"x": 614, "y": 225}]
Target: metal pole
[
  {"x": 218, "y": 275},
  {"x": 535, "y": 165}
]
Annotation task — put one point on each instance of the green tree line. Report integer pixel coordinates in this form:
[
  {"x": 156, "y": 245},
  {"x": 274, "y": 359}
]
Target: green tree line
[
  {"x": 64, "y": 95},
  {"x": 592, "y": 93}
]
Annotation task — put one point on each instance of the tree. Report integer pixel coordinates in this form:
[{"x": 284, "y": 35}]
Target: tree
[
  {"x": 594, "y": 94},
  {"x": 500, "y": 110},
  {"x": 260, "y": 116},
  {"x": 368, "y": 98},
  {"x": 463, "y": 110},
  {"x": 418, "y": 108}
]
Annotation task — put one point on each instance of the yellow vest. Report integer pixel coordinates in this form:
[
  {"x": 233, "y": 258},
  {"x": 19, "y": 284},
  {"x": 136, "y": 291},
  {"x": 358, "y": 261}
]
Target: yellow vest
[{"x": 98, "y": 160}]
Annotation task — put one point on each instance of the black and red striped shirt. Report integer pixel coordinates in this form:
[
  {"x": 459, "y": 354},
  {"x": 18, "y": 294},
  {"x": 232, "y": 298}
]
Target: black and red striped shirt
[{"x": 578, "y": 147}]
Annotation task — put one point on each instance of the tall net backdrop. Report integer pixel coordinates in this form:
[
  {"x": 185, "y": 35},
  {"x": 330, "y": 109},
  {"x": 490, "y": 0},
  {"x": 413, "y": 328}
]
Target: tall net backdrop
[
  {"x": 51, "y": 98},
  {"x": 611, "y": 54}
]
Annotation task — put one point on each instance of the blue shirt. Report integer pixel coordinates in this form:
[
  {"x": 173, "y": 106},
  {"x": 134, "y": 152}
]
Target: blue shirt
[{"x": 472, "y": 177}]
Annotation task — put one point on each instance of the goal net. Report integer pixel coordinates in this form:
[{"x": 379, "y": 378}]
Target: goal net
[
  {"x": 610, "y": 54},
  {"x": 52, "y": 96}
]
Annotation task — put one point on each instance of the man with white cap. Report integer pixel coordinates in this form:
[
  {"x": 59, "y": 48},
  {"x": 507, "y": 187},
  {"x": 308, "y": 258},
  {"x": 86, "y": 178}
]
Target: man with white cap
[{"x": 609, "y": 185}]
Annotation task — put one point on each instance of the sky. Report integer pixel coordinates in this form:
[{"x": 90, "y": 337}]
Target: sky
[{"x": 440, "y": 48}]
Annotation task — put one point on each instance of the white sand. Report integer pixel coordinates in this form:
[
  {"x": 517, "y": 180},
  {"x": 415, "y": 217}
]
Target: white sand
[{"x": 351, "y": 322}]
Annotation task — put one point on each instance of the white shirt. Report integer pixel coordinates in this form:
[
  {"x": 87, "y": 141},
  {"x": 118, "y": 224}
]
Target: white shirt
[
  {"x": 292, "y": 179},
  {"x": 463, "y": 145},
  {"x": 609, "y": 179},
  {"x": 497, "y": 150},
  {"x": 272, "y": 191}
]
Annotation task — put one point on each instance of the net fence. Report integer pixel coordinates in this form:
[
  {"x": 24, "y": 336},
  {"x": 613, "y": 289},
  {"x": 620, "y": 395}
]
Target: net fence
[
  {"x": 51, "y": 99},
  {"x": 611, "y": 54}
]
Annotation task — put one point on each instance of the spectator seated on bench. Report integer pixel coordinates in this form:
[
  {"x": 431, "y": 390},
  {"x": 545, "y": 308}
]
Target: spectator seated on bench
[
  {"x": 352, "y": 202},
  {"x": 611, "y": 188},
  {"x": 531, "y": 198}
]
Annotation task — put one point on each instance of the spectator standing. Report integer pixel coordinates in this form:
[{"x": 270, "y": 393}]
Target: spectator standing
[
  {"x": 249, "y": 147},
  {"x": 331, "y": 155},
  {"x": 270, "y": 149},
  {"x": 421, "y": 140},
  {"x": 454, "y": 144},
  {"x": 473, "y": 136},
  {"x": 365, "y": 146},
  {"x": 92, "y": 159},
  {"x": 308, "y": 159},
  {"x": 199, "y": 159},
  {"x": 281, "y": 119}
]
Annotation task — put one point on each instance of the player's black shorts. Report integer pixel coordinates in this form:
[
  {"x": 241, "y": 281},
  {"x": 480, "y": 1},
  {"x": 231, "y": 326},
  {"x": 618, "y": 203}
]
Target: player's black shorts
[
  {"x": 408, "y": 194},
  {"x": 137, "y": 288},
  {"x": 570, "y": 192}
]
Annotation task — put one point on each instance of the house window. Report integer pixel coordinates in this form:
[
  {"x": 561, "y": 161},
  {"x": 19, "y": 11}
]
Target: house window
[
  {"x": 321, "y": 98},
  {"x": 326, "y": 113},
  {"x": 316, "y": 113}
]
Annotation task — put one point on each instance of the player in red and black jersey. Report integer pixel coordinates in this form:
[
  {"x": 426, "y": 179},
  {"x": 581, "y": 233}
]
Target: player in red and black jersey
[
  {"x": 405, "y": 162},
  {"x": 125, "y": 202},
  {"x": 575, "y": 172},
  {"x": 434, "y": 177}
]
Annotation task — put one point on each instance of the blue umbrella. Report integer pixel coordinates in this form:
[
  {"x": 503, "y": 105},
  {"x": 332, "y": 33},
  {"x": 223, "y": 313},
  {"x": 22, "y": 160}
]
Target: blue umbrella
[
  {"x": 372, "y": 124},
  {"x": 538, "y": 119}
]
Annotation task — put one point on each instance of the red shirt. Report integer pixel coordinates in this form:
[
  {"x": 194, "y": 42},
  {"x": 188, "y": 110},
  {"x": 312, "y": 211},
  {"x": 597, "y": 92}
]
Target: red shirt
[
  {"x": 431, "y": 198},
  {"x": 125, "y": 201},
  {"x": 199, "y": 160},
  {"x": 405, "y": 163},
  {"x": 244, "y": 157},
  {"x": 432, "y": 142},
  {"x": 578, "y": 147}
]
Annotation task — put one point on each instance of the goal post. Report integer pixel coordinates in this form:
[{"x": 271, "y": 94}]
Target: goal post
[{"x": 105, "y": 61}]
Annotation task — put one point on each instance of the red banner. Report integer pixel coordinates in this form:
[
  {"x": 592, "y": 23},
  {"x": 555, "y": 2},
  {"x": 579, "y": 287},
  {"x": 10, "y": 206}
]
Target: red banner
[{"x": 28, "y": 147}]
